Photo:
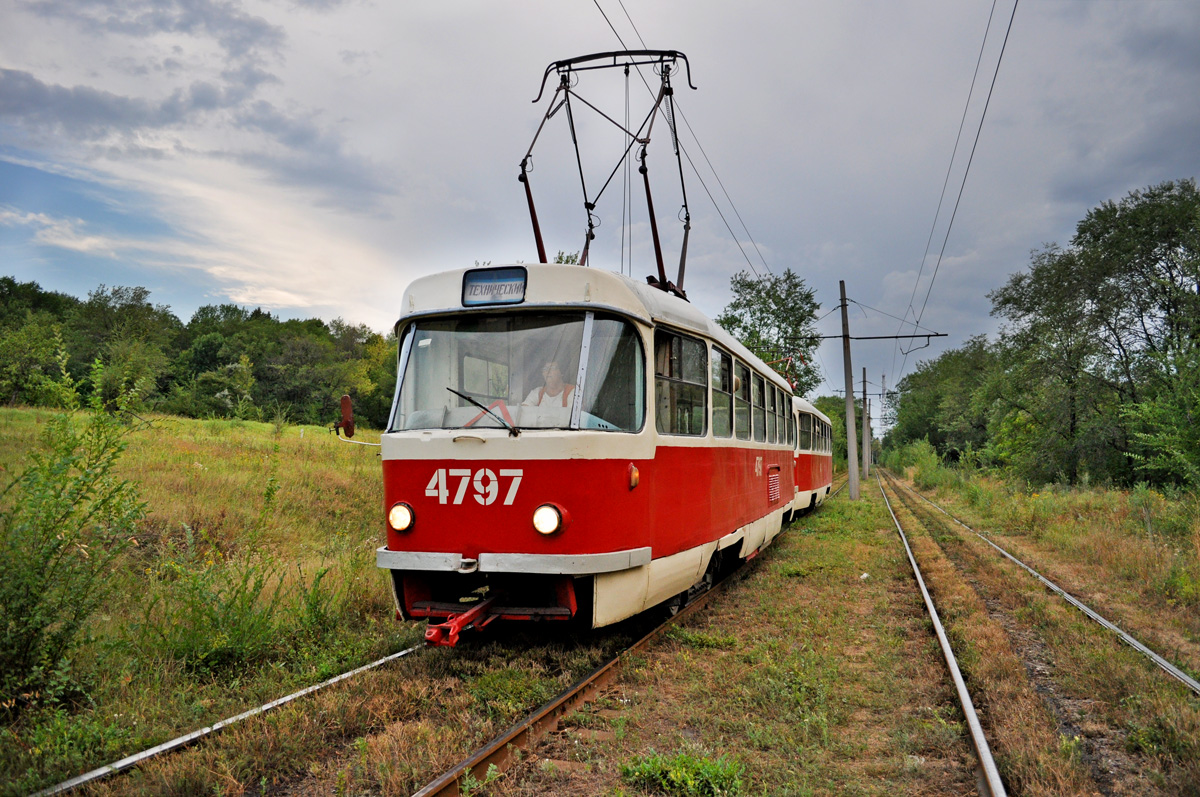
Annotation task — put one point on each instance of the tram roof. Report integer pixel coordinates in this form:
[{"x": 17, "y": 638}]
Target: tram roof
[
  {"x": 560, "y": 286},
  {"x": 804, "y": 405}
]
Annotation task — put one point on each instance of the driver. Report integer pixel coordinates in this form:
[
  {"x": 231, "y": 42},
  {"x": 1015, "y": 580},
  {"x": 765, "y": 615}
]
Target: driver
[{"x": 554, "y": 392}]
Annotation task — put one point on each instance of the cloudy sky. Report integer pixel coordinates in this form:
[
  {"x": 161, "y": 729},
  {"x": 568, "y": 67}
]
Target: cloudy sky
[{"x": 314, "y": 156}]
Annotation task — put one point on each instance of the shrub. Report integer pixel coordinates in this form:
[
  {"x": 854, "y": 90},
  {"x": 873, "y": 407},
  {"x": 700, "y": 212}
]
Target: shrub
[
  {"x": 65, "y": 519},
  {"x": 685, "y": 775},
  {"x": 213, "y": 616}
]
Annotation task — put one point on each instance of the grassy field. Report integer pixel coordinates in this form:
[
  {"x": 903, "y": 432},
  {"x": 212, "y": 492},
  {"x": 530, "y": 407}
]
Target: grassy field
[{"x": 250, "y": 574}]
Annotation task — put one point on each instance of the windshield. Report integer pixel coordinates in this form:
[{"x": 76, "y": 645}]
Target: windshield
[{"x": 524, "y": 368}]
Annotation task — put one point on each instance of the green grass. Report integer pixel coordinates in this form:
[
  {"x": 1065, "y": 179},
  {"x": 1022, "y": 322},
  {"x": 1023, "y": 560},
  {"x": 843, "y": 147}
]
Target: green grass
[
  {"x": 250, "y": 575},
  {"x": 685, "y": 775}
]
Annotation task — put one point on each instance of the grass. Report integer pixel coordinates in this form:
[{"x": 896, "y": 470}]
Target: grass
[
  {"x": 1128, "y": 710},
  {"x": 253, "y": 576},
  {"x": 242, "y": 584},
  {"x": 801, "y": 678}
]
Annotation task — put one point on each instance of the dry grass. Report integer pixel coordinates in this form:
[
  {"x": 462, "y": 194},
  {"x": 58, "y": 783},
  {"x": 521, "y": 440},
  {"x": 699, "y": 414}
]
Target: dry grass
[
  {"x": 1021, "y": 730},
  {"x": 1134, "y": 727}
]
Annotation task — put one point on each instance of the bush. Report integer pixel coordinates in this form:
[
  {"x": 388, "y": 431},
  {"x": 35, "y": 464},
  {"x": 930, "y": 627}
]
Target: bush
[
  {"x": 65, "y": 519},
  {"x": 213, "y": 617},
  {"x": 685, "y": 775}
]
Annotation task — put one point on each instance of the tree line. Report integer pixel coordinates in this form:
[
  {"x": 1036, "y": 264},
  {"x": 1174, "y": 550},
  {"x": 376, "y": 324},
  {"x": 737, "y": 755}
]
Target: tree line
[
  {"x": 227, "y": 361},
  {"x": 1095, "y": 372}
]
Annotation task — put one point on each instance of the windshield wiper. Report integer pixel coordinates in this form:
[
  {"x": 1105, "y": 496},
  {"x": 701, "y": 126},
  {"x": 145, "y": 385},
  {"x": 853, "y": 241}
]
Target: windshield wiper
[{"x": 512, "y": 430}]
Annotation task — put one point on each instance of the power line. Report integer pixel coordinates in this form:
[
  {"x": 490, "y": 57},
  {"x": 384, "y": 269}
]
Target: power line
[
  {"x": 946, "y": 181},
  {"x": 970, "y": 159},
  {"x": 967, "y": 171},
  {"x": 692, "y": 164},
  {"x": 881, "y": 312}
]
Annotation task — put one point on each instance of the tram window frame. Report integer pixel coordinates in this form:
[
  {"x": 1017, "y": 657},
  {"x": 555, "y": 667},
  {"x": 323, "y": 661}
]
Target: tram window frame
[
  {"x": 758, "y": 407},
  {"x": 806, "y": 437},
  {"x": 722, "y": 391},
  {"x": 742, "y": 415},
  {"x": 791, "y": 418},
  {"x": 781, "y": 419},
  {"x": 676, "y": 378},
  {"x": 772, "y": 416}
]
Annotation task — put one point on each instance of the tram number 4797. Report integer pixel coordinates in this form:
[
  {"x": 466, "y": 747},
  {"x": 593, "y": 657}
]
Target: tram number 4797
[{"x": 484, "y": 480}]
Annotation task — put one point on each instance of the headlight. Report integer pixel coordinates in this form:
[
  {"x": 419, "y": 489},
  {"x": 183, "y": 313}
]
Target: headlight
[
  {"x": 400, "y": 516},
  {"x": 547, "y": 519}
]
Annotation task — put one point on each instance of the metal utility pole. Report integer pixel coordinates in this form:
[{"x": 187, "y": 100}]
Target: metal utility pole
[
  {"x": 851, "y": 432},
  {"x": 866, "y": 431},
  {"x": 882, "y": 404}
]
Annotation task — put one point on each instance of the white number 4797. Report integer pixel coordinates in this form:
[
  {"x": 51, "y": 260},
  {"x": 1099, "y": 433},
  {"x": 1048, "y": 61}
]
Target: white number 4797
[{"x": 487, "y": 486}]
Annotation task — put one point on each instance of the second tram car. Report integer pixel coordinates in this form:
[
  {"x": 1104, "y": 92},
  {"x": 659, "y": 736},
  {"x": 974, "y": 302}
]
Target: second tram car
[{"x": 566, "y": 442}]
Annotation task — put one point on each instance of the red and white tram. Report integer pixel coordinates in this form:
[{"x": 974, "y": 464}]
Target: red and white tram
[{"x": 567, "y": 442}]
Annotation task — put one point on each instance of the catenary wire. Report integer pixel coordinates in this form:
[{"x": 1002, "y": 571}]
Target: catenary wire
[
  {"x": 945, "y": 182},
  {"x": 967, "y": 171},
  {"x": 692, "y": 164},
  {"x": 700, "y": 146}
]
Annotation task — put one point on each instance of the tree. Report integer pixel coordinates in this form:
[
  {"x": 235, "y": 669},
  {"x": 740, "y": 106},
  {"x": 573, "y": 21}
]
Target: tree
[
  {"x": 27, "y": 358},
  {"x": 948, "y": 400},
  {"x": 775, "y": 317}
]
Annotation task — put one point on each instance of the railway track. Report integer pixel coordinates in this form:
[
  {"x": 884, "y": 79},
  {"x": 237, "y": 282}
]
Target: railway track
[
  {"x": 1159, "y": 661},
  {"x": 1095, "y": 698},
  {"x": 989, "y": 775},
  {"x": 499, "y": 754}
]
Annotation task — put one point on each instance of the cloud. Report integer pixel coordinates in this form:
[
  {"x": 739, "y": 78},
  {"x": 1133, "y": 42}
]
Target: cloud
[{"x": 241, "y": 35}]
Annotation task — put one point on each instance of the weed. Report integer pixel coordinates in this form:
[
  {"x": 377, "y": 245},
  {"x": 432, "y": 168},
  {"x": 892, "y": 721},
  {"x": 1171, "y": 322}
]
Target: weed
[
  {"x": 1070, "y": 748},
  {"x": 214, "y": 617},
  {"x": 65, "y": 521},
  {"x": 699, "y": 639},
  {"x": 471, "y": 785},
  {"x": 685, "y": 775},
  {"x": 507, "y": 692}
]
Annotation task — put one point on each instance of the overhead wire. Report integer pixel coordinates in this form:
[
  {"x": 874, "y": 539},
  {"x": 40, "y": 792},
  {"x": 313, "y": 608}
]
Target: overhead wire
[
  {"x": 966, "y": 172},
  {"x": 945, "y": 182},
  {"x": 700, "y": 146}
]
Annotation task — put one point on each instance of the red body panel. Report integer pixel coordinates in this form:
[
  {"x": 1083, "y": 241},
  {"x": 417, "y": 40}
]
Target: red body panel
[
  {"x": 688, "y": 496},
  {"x": 813, "y": 471}
]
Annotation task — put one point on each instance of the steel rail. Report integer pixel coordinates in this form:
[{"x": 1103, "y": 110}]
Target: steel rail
[
  {"x": 991, "y": 776},
  {"x": 1166, "y": 666},
  {"x": 498, "y": 752},
  {"x": 186, "y": 739}
]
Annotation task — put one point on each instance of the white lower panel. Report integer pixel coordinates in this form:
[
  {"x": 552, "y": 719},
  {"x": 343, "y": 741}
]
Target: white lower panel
[{"x": 760, "y": 532}]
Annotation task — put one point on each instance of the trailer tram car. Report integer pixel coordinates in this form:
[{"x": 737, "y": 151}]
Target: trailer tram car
[{"x": 566, "y": 442}]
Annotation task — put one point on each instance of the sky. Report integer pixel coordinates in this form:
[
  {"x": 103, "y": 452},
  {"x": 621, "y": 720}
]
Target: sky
[{"x": 313, "y": 157}]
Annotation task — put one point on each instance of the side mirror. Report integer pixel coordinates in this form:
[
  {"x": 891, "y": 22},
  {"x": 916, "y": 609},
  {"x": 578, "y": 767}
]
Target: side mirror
[{"x": 347, "y": 422}]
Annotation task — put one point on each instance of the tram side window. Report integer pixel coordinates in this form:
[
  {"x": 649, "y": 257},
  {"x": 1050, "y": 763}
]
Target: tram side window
[
  {"x": 771, "y": 416},
  {"x": 780, "y": 403},
  {"x": 681, "y": 384},
  {"x": 741, "y": 401},
  {"x": 722, "y": 385},
  {"x": 806, "y": 441},
  {"x": 760, "y": 409},
  {"x": 614, "y": 398},
  {"x": 791, "y": 423},
  {"x": 483, "y": 378}
]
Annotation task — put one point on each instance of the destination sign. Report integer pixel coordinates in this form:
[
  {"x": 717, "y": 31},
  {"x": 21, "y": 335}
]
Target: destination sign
[{"x": 494, "y": 286}]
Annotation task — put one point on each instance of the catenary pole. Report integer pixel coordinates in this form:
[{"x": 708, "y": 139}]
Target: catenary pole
[
  {"x": 851, "y": 432},
  {"x": 866, "y": 431}
]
